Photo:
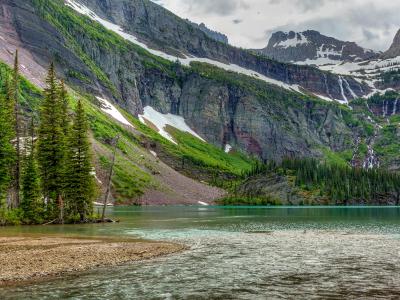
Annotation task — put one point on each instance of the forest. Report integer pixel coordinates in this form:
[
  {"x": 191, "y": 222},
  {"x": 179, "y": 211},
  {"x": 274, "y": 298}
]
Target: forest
[
  {"x": 46, "y": 168},
  {"x": 341, "y": 184}
]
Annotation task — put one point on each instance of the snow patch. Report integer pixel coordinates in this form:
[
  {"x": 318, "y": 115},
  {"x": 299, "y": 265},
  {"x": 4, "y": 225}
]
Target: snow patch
[
  {"x": 228, "y": 148},
  {"x": 345, "y": 100},
  {"x": 358, "y": 68},
  {"x": 325, "y": 54},
  {"x": 320, "y": 61},
  {"x": 324, "y": 98},
  {"x": 299, "y": 39},
  {"x": 162, "y": 120},
  {"x": 82, "y": 9},
  {"x": 110, "y": 109}
]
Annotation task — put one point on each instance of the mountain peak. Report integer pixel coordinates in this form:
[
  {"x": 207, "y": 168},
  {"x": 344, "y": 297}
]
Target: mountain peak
[
  {"x": 394, "y": 49},
  {"x": 220, "y": 37},
  {"x": 312, "y": 47}
]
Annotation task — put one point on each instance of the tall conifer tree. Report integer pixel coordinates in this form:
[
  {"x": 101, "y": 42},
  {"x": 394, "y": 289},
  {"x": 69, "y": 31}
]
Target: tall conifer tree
[
  {"x": 7, "y": 150},
  {"x": 63, "y": 94},
  {"x": 15, "y": 87},
  {"x": 31, "y": 195},
  {"x": 80, "y": 185},
  {"x": 51, "y": 145}
]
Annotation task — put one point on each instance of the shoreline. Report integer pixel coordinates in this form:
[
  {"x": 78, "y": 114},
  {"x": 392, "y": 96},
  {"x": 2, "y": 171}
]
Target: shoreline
[{"x": 29, "y": 259}]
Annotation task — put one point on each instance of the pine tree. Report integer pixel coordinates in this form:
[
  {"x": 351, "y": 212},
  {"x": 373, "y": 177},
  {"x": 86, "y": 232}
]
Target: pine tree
[
  {"x": 17, "y": 125},
  {"x": 80, "y": 187},
  {"x": 64, "y": 108},
  {"x": 51, "y": 146},
  {"x": 7, "y": 150},
  {"x": 31, "y": 203}
]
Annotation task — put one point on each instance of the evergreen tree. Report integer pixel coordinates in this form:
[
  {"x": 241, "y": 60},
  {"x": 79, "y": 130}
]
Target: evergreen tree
[
  {"x": 80, "y": 186},
  {"x": 64, "y": 108},
  {"x": 31, "y": 203},
  {"x": 51, "y": 146},
  {"x": 7, "y": 150},
  {"x": 17, "y": 125}
]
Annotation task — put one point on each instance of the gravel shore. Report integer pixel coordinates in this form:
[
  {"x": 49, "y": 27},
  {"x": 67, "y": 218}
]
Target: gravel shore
[{"x": 34, "y": 258}]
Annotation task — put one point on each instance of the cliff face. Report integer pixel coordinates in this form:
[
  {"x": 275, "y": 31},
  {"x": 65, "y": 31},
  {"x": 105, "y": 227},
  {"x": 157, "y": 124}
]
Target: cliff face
[
  {"x": 215, "y": 35},
  {"x": 248, "y": 114},
  {"x": 160, "y": 29},
  {"x": 267, "y": 127},
  {"x": 312, "y": 47},
  {"x": 394, "y": 49}
]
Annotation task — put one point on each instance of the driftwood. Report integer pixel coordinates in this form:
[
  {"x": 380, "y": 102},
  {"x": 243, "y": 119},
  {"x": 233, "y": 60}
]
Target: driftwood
[
  {"x": 51, "y": 222},
  {"x": 107, "y": 220}
]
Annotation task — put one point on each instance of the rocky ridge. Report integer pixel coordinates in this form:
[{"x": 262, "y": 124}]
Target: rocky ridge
[
  {"x": 311, "y": 47},
  {"x": 148, "y": 22},
  {"x": 394, "y": 49},
  {"x": 220, "y": 37}
]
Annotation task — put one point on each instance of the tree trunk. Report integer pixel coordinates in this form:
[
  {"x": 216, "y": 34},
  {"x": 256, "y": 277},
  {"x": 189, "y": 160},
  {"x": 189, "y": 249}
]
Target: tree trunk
[
  {"x": 61, "y": 207},
  {"x": 107, "y": 195}
]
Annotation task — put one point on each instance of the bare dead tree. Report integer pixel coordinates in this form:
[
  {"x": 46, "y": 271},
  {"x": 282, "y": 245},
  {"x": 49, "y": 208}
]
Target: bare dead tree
[{"x": 110, "y": 174}]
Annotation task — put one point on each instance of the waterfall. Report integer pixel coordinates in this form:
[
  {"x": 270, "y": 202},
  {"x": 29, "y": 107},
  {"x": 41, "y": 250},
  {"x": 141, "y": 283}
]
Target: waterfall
[
  {"x": 355, "y": 152},
  {"x": 349, "y": 89},
  {"x": 327, "y": 87},
  {"x": 395, "y": 106},
  {"x": 342, "y": 90},
  {"x": 371, "y": 160},
  {"x": 369, "y": 108},
  {"x": 385, "y": 108}
]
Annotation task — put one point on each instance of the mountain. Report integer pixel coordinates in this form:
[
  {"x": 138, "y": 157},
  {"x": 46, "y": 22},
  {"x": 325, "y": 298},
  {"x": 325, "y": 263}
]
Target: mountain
[
  {"x": 101, "y": 62},
  {"x": 194, "y": 107},
  {"x": 312, "y": 48},
  {"x": 380, "y": 71},
  {"x": 147, "y": 23},
  {"x": 394, "y": 49},
  {"x": 220, "y": 37}
]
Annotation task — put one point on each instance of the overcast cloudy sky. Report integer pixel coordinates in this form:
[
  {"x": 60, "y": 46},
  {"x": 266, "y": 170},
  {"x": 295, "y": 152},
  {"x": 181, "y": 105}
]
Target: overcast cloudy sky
[{"x": 249, "y": 23}]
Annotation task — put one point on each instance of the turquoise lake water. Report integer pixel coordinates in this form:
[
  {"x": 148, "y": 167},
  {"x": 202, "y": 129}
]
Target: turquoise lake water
[{"x": 240, "y": 253}]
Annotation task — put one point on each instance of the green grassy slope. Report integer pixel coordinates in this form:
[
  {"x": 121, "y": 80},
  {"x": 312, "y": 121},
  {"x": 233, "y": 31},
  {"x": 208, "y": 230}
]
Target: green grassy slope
[{"x": 135, "y": 168}]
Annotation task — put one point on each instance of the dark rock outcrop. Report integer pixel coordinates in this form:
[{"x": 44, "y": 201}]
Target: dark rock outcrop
[
  {"x": 218, "y": 36},
  {"x": 310, "y": 46},
  {"x": 394, "y": 49},
  {"x": 161, "y": 29}
]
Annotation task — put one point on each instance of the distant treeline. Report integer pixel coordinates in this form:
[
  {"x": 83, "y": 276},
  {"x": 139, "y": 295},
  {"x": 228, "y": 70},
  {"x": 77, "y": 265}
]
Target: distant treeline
[{"x": 342, "y": 184}]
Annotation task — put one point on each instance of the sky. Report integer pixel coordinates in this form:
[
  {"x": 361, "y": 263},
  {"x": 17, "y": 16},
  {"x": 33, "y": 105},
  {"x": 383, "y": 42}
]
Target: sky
[{"x": 249, "y": 23}]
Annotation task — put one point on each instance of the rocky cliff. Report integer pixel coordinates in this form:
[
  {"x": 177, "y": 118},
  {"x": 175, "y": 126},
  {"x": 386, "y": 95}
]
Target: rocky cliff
[
  {"x": 223, "y": 107},
  {"x": 218, "y": 36},
  {"x": 394, "y": 49},
  {"x": 160, "y": 29},
  {"x": 311, "y": 47}
]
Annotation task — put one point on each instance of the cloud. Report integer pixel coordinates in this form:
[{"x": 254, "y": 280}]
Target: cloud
[
  {"x": 355, "y": 24},
  {"x": 370, "y": 23},
  {"x": 218, "y": 7},
  {"x": 369, "y": 35}
]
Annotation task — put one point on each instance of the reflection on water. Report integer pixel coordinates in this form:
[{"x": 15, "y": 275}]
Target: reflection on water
[{"x": 242, "y": 253}]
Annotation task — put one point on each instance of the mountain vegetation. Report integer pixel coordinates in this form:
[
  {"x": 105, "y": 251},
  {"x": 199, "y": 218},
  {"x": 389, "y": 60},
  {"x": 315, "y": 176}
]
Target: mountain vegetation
[
  {"x": 67, "y": 129},
  {"x": 57, "y": 182},
  {"x": 312, "y": 182}
]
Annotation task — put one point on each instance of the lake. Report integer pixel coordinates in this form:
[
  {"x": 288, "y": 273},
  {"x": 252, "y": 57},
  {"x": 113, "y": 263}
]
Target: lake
[{"x": 240, "y": 253}]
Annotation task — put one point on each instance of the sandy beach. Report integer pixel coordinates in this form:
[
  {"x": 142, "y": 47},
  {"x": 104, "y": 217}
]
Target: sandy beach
[{"x": 35, "y": 258}]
